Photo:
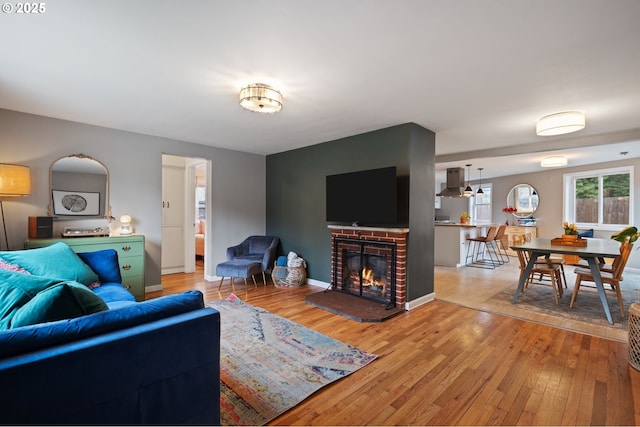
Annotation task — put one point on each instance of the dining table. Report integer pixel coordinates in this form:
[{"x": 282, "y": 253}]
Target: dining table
[{"x": 592, "y": 252}]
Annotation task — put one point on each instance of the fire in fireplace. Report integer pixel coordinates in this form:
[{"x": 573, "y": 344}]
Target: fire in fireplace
[
  {"x": 366, "y": 269},
  {"x": 366, "y": 275}
]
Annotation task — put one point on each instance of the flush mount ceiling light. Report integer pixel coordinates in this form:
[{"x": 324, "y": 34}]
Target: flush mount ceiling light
[
  {"x": 261, "y": 98},
  {"x": 553, "y": 161},
  {"x": 560, "y": 123}
]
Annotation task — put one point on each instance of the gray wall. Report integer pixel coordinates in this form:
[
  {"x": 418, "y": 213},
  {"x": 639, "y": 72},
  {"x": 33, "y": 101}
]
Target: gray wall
[
  {"x": 135, "y": 166},
  {"x": 296, "y": 195}
]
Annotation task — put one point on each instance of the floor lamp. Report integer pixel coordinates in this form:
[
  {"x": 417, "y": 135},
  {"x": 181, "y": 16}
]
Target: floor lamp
[{"x": 15, "y": 180}]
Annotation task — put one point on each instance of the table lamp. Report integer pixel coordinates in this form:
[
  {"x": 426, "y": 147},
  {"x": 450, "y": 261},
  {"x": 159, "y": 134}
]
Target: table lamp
[{"x": 125, "y": 225}]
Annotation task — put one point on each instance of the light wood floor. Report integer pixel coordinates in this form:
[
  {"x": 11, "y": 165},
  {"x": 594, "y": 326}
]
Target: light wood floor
[{"x": 442, "y": 364}]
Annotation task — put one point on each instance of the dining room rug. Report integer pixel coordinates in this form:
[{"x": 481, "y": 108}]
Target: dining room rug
[
  {"x": 537, "y": 303},
  {"x": 269, "y": 364}
]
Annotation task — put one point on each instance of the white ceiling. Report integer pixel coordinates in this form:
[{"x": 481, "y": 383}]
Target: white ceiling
[{"x": 479, "y": 73}]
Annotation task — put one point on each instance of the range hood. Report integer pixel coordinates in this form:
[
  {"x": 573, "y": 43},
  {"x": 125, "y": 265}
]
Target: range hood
[{"x": 455, "y": 183}]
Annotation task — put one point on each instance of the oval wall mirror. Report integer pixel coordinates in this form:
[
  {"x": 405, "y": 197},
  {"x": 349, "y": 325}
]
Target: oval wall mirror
[
  {"x": 78, "y": 188},
  {"x": 525, "y": 199}
]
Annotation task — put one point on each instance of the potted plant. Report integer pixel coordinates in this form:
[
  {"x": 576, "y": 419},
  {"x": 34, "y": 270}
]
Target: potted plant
[
  {"x": 628, "y": 234},
  {"x": 570, "y": 231},
  {"x": 465, "y": 218}
]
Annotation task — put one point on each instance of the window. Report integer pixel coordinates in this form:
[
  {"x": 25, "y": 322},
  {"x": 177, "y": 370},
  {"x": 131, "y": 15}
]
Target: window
[
  {"x": 480, "y": 204},
  {"x": 601, "y": 199}
]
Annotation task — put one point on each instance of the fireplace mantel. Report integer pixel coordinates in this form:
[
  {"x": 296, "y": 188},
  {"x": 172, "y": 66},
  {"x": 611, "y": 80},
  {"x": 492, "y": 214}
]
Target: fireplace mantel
[{"x": 380, "y": 229}]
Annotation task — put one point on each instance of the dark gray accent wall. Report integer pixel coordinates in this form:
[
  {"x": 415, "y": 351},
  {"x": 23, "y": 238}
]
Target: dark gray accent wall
[
  {"x": 295, "y": 188},
  {"x": 421, "y": 207}
]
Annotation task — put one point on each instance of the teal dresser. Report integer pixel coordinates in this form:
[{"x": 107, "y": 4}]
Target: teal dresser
[{"x": 130, "y": 255}]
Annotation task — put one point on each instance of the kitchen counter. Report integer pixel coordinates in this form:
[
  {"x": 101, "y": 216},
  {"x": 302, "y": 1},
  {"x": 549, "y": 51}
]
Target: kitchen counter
[
  {"x": 457, "y": 224},
  {"x": 450, "y": 242}
]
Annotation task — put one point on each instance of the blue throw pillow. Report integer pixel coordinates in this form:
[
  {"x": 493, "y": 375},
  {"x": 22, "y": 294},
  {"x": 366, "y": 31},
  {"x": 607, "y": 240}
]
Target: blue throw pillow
[
  {"x": 104, "y": 263},
  {"x": 586, "y": 233},
  {"x": 64, "y": 300},
  {"x": 56, "y": 261}
]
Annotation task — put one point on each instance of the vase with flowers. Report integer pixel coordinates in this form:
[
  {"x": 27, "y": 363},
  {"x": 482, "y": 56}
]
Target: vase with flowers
[
  {"x": 508, "y": 210},
  {"x": 570, "y": 231}
]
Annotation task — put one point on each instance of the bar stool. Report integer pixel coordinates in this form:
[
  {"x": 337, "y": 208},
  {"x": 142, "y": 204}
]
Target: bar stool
[
  {"x": 487, "y": 244},
  {"x": 502, "y": 251}
]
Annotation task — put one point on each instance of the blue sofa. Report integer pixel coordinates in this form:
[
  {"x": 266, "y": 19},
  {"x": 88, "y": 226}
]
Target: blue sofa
[{"x": 100, "y": 357}]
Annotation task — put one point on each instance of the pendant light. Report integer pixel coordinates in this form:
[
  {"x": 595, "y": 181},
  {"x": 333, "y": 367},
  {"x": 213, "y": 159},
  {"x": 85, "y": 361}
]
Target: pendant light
[
  {"x": 480, "y": 191},
  {"x": 468, "y": 192}
]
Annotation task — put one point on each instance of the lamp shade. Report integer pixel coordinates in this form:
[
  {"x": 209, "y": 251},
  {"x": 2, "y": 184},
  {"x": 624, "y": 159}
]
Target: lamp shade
[
  {"x": 560, "y": 123},
  {"x": 125, "y": 224},
  {"x": 553, "y": 161},
  {"x": 15, "y": 180},
  {"x": 260, "y": 98}
]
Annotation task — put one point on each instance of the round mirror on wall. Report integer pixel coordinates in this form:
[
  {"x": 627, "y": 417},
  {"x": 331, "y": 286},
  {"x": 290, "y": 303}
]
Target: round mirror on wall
[
  {"x": 525, "y": 199},
  {"x": 78, "y": 188}
]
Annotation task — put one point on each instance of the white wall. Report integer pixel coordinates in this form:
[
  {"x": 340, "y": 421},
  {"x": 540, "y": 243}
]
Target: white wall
[{"x": 135, "y": 167}]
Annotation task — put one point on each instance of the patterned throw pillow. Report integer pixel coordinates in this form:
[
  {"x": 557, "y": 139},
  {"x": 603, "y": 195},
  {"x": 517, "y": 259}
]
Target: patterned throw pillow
[{"x": 12, "y": 267}]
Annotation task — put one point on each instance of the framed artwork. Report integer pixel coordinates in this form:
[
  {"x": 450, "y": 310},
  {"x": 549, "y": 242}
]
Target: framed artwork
[{"x": 76, "y": 203}]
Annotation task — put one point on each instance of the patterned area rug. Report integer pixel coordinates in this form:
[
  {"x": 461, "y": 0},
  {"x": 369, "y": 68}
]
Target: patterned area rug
[{"x": 269, "y": 364}]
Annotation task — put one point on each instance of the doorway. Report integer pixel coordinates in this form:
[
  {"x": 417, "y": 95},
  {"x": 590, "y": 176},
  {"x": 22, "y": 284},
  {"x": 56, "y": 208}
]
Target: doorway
[{"x": 185, "y": 206}]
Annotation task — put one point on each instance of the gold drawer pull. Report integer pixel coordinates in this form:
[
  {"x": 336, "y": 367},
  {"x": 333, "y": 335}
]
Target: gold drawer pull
[
  {"x": 126, "y": 286},
  {"x": 126, "y": 267},
  {"x": 126, "y": 248}
]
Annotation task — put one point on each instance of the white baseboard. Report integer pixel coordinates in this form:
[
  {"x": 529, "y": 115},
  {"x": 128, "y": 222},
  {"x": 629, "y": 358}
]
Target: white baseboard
[
  {"x": 420, "y": 301},
  {"x": 318, "y": 283},
  {"x": 153, "y": 288}
]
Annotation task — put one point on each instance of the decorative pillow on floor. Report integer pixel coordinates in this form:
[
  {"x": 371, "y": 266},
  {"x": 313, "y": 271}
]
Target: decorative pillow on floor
[{"x": 56, "y": 261}]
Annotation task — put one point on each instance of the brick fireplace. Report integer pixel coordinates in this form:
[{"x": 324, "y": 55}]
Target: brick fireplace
[{"x": 370, "y": 262}]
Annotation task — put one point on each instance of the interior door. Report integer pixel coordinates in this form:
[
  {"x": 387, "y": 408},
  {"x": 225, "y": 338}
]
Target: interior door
[{"x": 173, "y": 208}]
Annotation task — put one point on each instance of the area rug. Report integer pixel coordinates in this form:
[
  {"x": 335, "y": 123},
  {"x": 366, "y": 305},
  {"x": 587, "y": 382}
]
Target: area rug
[
  {"x": 269, "y": 364},
  {"x": 587, "y": 315}
]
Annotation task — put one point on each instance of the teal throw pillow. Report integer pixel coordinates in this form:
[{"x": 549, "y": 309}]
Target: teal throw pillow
[
  {"x": 64, "y": 300},
  {"x": 56, "y": 261},
  {"x": 17, "y": 289}
]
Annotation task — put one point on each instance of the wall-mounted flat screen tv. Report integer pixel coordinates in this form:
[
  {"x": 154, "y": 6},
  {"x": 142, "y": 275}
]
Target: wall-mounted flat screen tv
[{"x": 366, "y": 197}]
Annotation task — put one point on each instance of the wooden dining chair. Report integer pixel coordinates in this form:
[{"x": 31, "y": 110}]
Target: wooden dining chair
[
  {"x": 611, "y": 277},
  {"x": 548, "y": 274}
]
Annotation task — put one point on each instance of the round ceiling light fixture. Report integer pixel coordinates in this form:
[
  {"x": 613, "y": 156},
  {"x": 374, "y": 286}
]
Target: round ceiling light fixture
[
  {"x": 560, "y": 123},
  {"x": 553, "y": 162},
  {"x": 260, "y": 98}
]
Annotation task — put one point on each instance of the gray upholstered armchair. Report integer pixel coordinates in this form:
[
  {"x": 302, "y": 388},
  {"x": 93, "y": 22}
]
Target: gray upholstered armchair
[{"x": 260, "y": 249}]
